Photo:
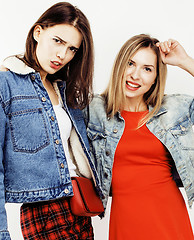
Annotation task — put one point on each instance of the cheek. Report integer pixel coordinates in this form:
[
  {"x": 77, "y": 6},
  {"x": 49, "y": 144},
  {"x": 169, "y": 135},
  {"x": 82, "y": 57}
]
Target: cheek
[
  {"x": 41, "y": 48},
  {"x": 46, "y": 48},
  {"x": 38, "y": 53},
  {"x": 43, "y": 53},
  {"x": 127, "y": 72},
  {"x": 69, "y": 57},
  {"x": 150, "y": 80}
]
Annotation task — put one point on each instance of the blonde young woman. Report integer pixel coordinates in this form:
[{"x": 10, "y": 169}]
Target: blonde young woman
[{"x": 143, "y": 143}]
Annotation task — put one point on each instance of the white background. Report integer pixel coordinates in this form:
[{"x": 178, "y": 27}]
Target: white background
[{"x": 112, "y": 23}]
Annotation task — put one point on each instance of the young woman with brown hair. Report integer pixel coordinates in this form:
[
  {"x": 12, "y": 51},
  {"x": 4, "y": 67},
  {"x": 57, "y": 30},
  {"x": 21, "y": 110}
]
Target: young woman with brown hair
[{"x": 42, "y": 127}]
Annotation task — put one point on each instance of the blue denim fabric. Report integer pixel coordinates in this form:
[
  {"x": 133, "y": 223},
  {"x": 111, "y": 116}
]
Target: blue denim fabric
[
  {"x": 33, "y": 166},
  {"x": 172, "y": 125}
]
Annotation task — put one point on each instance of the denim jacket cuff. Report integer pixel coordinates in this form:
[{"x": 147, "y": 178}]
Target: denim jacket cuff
[{"x": 4, "y": 235}]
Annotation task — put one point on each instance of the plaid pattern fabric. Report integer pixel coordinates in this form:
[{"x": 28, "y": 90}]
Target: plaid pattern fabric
[{"x": 53, "y": 220}]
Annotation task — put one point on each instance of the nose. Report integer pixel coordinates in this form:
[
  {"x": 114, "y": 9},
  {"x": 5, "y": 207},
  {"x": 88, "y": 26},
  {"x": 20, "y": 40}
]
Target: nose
[
  {"x": 135, "y": 74},
  {"x": 62, "y": 53}
]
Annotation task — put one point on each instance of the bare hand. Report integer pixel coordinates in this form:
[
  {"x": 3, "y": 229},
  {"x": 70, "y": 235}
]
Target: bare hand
[{"x": 172, "y": 52}]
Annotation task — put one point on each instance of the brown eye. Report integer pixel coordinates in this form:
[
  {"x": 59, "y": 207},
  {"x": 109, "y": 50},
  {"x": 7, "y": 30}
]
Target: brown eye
[
  {"x": 130, "y": 63},
  {"x": 148, "y": 69},
  {"x": 57, "y": 40},
  {"x": 73, "y": 49}
]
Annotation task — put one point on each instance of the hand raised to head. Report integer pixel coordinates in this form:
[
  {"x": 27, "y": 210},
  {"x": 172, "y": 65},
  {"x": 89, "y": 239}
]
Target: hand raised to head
[{"x": 172, "y": 52}]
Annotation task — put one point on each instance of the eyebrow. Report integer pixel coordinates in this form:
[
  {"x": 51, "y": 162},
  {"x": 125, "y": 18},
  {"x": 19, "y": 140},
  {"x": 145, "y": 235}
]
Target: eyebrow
[
  {"x": 146, "y": 65},
  {"x": 66, "y": 42},
  {"x": 149, "y": 66}
]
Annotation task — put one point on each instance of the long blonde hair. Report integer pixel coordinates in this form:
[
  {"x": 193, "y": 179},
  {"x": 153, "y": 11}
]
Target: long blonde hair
[{"x": 114, "y": 93}]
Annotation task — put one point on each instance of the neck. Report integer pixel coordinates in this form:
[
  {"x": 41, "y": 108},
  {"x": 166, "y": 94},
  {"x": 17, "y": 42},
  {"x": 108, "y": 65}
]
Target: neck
[
  {"x": 135, "y": 106},
  {"x": 43, "y": 76}
]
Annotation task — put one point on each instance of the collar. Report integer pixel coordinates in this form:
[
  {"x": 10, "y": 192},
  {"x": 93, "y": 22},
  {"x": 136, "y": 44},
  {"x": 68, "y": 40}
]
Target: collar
[
  {"x": 16, "y": 65},
  {"x": 161, "y": 110}
]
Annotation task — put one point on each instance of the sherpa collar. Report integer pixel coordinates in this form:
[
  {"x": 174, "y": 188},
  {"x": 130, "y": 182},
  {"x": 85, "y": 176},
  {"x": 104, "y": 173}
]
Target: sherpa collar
[{"x": 16, "y": 65}]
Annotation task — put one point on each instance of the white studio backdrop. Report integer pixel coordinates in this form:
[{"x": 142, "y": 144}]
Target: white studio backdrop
[{"x": 112, "y": 23}]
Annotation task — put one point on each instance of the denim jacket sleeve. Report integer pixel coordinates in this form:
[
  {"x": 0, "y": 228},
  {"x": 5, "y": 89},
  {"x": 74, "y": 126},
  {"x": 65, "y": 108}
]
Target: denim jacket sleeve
[
  {"x": 192, "y": 111},
  {"x": 4, "y": 234},
  {"x": 85, "y": 112}
]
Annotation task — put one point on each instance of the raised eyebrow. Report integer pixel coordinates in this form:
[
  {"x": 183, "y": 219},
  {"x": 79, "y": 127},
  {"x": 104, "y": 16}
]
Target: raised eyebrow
[
  {"x": 130, "y": 60},
  {"x": 66, "y": 42}
]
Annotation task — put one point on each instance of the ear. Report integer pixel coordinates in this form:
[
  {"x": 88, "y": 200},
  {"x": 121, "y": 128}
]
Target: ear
[{"x": 37, "y": 31}]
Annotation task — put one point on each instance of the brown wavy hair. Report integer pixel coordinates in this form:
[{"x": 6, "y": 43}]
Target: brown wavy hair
[{"x": 78, "y": 73}]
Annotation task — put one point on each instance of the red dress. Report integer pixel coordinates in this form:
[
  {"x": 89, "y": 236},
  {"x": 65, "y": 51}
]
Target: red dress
[{"x": 146, "y": 203}]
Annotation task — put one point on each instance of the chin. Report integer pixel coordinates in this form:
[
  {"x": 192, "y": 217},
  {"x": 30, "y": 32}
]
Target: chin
[{"x": 52, "y": 71}]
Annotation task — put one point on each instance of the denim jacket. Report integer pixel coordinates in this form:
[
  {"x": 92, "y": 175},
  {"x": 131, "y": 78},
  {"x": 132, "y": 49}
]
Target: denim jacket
[
  {"x": 33, "y": 166},
  {"x": 172, "y": 125}
]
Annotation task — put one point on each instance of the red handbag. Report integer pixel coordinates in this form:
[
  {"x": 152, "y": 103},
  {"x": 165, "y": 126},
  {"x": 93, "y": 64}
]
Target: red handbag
[{"x": 85, "y": 201}]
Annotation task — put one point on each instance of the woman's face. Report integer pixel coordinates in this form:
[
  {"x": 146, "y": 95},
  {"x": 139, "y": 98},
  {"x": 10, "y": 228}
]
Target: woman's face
[
  {"x": 140, "y": 74},
  {"x": 56, "y": 46}
]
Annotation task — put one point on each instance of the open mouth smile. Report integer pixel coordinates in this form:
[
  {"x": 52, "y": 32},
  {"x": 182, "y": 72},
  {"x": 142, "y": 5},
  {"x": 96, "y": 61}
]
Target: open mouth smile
[{"x": 132, "y": 85}]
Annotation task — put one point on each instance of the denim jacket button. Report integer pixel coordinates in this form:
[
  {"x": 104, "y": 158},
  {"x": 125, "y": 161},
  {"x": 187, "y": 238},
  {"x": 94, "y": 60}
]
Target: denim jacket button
[
  {"x": 107, "y": 153},
  {"x": 182, "y": 128},
  {"x": 52, "y": 118},
  {"x": 43, "y": 99},
  {"x": 62, "y": 165},
  {"x": 106, "y": 175},
  {"x": 66, "y": 191},
  {"x": 115, "y": 130},
  {"x": 57, "y": 141},
  {"x": 33, "y": 77}
]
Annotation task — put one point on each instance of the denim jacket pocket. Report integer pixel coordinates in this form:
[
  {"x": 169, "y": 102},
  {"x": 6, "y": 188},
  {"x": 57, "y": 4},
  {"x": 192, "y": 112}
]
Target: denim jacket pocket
[
  {"x": 184, "y": 134},
  {"x": 95, "y": 134},
  {"x": 28, "y": 130}
]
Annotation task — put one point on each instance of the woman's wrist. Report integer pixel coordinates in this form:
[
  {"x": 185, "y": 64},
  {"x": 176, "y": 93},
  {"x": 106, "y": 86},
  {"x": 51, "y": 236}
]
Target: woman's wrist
[{"x": 188, "y": 65}]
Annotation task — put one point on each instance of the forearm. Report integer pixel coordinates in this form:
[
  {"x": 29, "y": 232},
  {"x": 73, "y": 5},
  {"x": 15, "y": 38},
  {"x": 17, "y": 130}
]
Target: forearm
[{"x": 188, "y": 65}]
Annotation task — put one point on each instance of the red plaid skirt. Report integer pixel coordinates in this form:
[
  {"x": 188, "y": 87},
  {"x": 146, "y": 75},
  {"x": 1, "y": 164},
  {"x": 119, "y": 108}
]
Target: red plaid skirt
[{"x": 53, "y": 220}]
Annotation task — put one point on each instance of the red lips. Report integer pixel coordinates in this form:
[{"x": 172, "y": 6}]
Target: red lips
[{"x": 132, "y": 85}]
